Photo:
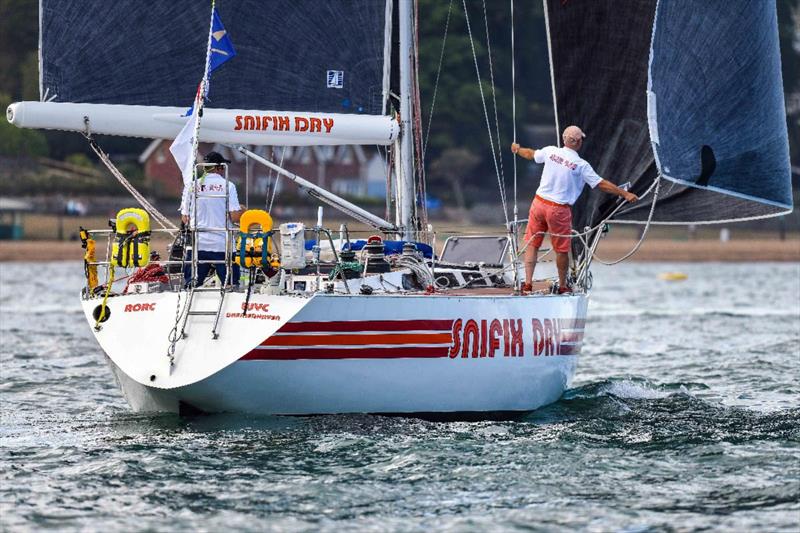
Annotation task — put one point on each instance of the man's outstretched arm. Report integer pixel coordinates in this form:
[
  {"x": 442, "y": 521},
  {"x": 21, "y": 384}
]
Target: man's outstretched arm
[
  {"x": 607, "y": 186},
  {"x": 527, "y": 153}
]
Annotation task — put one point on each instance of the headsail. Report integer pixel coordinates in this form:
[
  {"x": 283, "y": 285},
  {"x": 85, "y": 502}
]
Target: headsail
[
  {"x": 599, "y": 51},
  {"x": 714, "y": 123},
  {"x": 716, "y": 108}
]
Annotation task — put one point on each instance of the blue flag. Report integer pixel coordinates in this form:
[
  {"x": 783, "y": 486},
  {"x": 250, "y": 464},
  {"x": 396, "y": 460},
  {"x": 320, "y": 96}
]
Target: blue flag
[
  {"x": 221, "y": 45},
  {"x": 221, "y": 50}
]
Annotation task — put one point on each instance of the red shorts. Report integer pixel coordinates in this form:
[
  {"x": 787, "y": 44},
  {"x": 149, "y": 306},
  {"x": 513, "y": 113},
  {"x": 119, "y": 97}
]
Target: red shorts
[{"x": 546, "y": 216}]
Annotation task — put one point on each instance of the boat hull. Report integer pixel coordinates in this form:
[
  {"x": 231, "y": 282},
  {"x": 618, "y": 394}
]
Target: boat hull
[{"x": 378, "y": 354}]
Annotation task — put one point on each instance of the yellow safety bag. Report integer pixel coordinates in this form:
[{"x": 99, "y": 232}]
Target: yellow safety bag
[
  {"x": 254, "y": 243},
  {"x": 132, "y": 241}
]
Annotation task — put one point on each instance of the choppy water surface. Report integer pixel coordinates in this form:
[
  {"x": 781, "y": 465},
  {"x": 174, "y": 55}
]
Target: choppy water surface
[{"x": 685, "y": 415}]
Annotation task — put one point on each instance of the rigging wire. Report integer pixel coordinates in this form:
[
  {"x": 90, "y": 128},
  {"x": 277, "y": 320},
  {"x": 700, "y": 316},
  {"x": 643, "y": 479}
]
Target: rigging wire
[
  {"x": 422, "y": 193},
  {"x": 269, "y": 185},
  {"x": 201, "y": 98},
  {"x": 154, "y": 213},
  {"x": 552, "y": 71},
  {"x": 389, "y": 161},
  {"x": 584, "y": 266},
  {"x": 173, "y": 337},
  {"x": 657, "y": 184},
  {"x": 486, "y": 115},
  {"x": 494, "y": 93},
  {"x": 387, "y": 56},
  {"x": 277, "y": 177},
  {"x": 513, "y": 231},
  {"x": 436, "y": 83},
  {"x": 246, "y": 182},
  {"x": 514, "y": 112},
  {"x": 383, "y": 154}
]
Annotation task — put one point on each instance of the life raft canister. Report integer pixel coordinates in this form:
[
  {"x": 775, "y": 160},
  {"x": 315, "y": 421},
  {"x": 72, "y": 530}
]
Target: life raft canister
[
  {"x": 132, "y": 244},
  {"x": 254, "y": 243}
]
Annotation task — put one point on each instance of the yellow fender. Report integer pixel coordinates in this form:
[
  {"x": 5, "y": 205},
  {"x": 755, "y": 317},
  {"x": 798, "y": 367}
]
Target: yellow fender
[
  {"x": 91, "y": 270},
  {"x": 132, "y": 244},
  {"x": 88, "y": 258}
]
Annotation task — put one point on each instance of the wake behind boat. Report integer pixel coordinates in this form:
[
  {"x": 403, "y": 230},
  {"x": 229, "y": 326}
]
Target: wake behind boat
[{"x": 329, "y": 323}]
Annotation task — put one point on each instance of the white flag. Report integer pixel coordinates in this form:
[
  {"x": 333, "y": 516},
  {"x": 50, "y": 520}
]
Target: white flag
[{"x": 182, "y": 148}]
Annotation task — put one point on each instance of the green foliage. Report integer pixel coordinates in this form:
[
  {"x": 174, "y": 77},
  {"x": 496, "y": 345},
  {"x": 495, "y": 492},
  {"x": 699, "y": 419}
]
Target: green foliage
[
  {"x": 79, "y": 160},
  {"x": 134, "y": 172},
  {"x": 452, "y": 166},
  {"x": 19, "y": 43},
  {"x": 16, "y": 142},
  {"x": 459, "y": 120},
  {"x": 29, "y": 76}
]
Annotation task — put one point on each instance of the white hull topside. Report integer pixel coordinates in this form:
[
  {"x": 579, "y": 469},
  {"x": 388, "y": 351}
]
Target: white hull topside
[{"x": 323, "y": 354}]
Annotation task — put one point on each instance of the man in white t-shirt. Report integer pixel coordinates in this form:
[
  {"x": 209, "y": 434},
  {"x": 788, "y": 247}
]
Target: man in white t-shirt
[
  {"x": 212, "y": 217},
  {"x": 563, "y": 178}
]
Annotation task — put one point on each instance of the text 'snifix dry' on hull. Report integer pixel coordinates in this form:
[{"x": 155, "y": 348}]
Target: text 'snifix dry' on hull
[
  {"x": 326, "y": 321},
  {"x": 339, "y": 354}
]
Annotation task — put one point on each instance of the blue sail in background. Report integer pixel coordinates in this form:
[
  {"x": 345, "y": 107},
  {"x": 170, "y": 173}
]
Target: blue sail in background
[{"x": 716, "y": 107}]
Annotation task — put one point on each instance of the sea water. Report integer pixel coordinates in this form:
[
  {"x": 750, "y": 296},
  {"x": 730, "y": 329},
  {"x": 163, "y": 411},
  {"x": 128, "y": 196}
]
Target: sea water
[{"x": 685, "y": 415}]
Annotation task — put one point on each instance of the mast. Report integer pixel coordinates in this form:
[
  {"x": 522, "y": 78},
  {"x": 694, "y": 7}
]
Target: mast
[{"x": 406, "y": 177}]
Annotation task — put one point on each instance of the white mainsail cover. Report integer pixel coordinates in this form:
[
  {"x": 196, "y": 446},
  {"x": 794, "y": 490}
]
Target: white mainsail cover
[{"x": 235, "y": 126}]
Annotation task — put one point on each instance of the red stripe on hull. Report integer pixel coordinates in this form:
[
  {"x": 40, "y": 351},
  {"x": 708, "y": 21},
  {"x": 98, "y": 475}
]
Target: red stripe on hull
[
  {"x": 367, "y": 325},
  {"x": 570, "y": 349},
  {"x": 572, "y": 337},
  {"x": 364, "y": 339},
  {"x": 267, "y": 354}
]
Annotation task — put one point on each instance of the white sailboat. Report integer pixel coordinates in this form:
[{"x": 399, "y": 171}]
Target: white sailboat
[{"x": 401, "y": 334}]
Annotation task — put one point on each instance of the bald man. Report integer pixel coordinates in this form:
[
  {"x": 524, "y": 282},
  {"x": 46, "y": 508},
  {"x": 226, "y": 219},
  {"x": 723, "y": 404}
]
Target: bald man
[{"x": 563, "y": 178}]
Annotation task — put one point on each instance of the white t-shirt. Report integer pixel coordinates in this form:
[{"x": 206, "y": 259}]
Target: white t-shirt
[
  {"x": 210, "y": 210},
  {"x": 564, "y": 174}
]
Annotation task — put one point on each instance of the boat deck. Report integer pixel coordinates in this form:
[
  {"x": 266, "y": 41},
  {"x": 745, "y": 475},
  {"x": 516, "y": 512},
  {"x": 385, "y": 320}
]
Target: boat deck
[{"x": 538, "y": 287}]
